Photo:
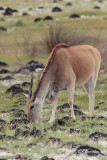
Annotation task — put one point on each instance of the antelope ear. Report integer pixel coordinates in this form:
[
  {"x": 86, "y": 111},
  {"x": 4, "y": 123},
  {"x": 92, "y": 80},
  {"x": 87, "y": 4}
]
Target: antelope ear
[{"x": 26, "y": 95}]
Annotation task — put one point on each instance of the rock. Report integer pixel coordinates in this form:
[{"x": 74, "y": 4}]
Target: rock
[
  {"x": 1, "y": 8},
  {"x": 25, "y": 14},
  {"x": 4, "y": 71},
  {"x": 38, "y": 19},
  {"x": 77, "y": 112},
  {"x": 105, "y": 109},
  {"x": 100, "y": 103},
  {"x": 20, "y": 157},
  {"x": 18, "y": 132},
  {"x": 70, "y": 145},
  {"x": 14, "y": 10},
  {"x": 40, "y": 7},
  {"x": 3, "y": 64},
  {"x": 54, "y": 1},
  {"x": 2, "y": 19},
  {"x": 53, "y": 141},
  {"x": 63, "y": 120},
  {"x": 98, "y": 135},
  {"x": 13, "y": 110},
  {"x": 20, "y": 115},
  {"x": 8, "y": 12},
  {"x": 74, "y": 16},
  {"x": 32, "y": 65},
  {"x": 96, "y": 7},
  {"x": 66, "y": 105},
  {"x": 96, "y": 107},
  {"x": 2, "y": 136},
  {"x": 68, "y": 4},
  {"x": 6, "y": 78},
  {"x": 14, "y": 89},
  {"x": 76, "y": 130},
  {"x": 48, "y": 18},
  {"x": 46, "y": 158},
  {"x": 3, "y": 28},
  {"x": 3, "y": 149},
  {"x": 2, "y": 122},
  {"x": 54, "y": 127},
  {"x": 90, "y": 151},
  {"x": 19, "y": 121},
  {"x": 101, "y": 117},
  {"x": 26, "y": 133},
  {"x": 56, "y": 9},
  {"x": 35, "y": 132},
  {"x": 31, "y": 145},
  {"x": 24, "y": 84}
]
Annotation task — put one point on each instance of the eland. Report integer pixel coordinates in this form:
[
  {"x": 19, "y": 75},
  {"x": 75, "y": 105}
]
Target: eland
[{"x": 67, "y": 67}]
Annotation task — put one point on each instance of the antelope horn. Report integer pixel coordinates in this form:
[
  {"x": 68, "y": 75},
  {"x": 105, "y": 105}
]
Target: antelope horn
[{"x": 30, "y": 88}]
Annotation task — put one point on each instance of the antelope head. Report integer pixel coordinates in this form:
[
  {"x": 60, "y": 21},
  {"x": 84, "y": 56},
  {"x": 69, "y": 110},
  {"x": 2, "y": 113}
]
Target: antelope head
[{"x": 33, "y": 105}]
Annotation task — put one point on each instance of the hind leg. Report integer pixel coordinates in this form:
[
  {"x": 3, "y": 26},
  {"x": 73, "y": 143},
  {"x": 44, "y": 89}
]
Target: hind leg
[
  {"x": 90, "y": 87},
  {"x": 71, "y": 91}
]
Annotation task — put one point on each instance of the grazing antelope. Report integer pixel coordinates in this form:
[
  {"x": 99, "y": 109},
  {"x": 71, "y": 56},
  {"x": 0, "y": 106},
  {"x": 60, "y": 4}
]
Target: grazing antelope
[{"x": 67, "y": 67}]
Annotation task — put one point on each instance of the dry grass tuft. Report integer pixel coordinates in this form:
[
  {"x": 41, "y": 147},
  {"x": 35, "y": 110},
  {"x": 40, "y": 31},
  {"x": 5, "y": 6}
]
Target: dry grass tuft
[{"x": 59, "y": 34}]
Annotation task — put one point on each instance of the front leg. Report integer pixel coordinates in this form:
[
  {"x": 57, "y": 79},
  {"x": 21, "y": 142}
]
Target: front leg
[
  {"x": 54, "y": 104},
  {"x": 71, "y": 91}
]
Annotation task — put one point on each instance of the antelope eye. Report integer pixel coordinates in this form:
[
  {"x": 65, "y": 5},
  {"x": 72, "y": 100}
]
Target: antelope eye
[{"x": 32, "y": 106}]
